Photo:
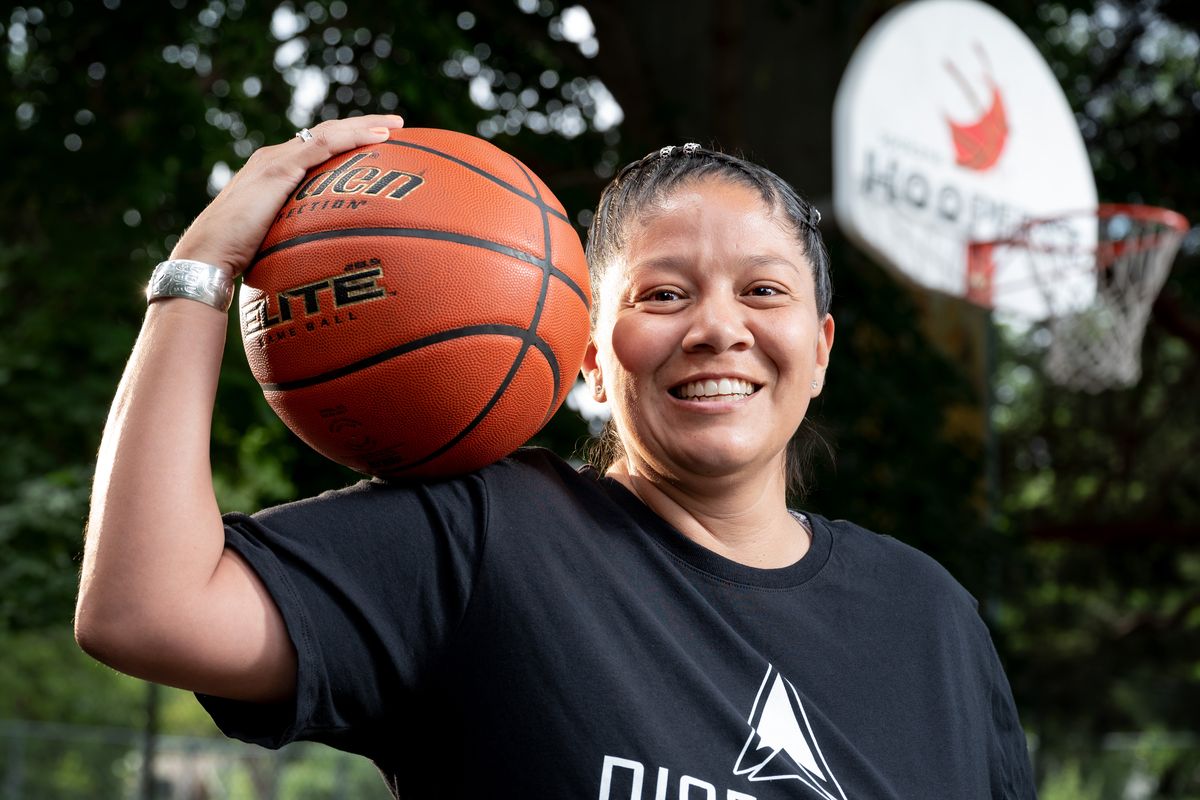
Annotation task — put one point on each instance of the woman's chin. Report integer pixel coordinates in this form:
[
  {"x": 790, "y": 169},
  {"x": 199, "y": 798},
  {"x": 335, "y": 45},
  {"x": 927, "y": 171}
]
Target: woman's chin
[{"x": 721, "y": 459}]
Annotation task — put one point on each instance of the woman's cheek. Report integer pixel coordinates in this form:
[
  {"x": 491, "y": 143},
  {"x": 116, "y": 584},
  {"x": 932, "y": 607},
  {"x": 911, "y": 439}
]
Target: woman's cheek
[{"x": 641, "y": 342}]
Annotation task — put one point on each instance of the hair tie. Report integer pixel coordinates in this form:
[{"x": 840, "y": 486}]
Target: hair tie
[{"x": 689, "y": 149}]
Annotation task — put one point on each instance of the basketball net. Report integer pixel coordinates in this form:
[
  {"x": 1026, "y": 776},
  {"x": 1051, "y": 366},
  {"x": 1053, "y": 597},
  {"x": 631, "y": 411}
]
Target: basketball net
[{"x": 1116, "y": 258}]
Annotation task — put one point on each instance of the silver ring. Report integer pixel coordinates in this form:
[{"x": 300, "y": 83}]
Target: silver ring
[{"x": 304, "y": 135}]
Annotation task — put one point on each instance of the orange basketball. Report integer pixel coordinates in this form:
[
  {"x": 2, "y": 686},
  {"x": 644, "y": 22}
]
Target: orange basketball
[{"x": 419, "y": 307}]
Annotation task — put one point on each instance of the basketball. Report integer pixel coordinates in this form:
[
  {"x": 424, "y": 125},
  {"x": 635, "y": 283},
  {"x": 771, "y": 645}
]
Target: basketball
[{"x": 419, "y": 308}]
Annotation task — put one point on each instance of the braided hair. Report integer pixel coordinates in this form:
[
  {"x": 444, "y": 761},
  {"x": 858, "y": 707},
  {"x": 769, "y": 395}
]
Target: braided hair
[{"x": 642, "y": 184}]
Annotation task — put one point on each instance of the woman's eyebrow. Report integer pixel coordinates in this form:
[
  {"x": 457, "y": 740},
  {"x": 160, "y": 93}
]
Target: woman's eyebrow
[
  {"x": 666, "y": 261},
  {"x": 772, "y": 259}
]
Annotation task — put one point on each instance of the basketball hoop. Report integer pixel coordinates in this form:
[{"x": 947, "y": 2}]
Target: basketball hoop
[{"x": 1097, "y": 273}]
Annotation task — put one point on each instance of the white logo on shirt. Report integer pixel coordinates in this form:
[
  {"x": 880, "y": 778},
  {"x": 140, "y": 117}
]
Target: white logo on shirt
[{"x": 780, "y": 726}]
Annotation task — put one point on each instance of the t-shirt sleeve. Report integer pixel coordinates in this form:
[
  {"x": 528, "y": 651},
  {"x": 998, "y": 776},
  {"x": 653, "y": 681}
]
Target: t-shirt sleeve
[
  {"x": 1012, "y": 771},
  {"x": 371, "y": 582}
]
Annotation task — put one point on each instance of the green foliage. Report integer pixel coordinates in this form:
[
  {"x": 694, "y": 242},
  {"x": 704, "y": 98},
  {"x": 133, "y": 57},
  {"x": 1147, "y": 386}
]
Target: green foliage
[
  {"x": 44, "y": 676},
  {"x": 1069, "y": 783},
  {"x": 326, "y": 773}
]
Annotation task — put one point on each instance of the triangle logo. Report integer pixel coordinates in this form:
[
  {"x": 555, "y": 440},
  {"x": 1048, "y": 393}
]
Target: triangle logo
[{"x": 781, "y": 744}]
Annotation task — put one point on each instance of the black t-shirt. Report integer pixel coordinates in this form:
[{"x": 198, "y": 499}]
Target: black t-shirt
[{"x": 532, "y": 631}]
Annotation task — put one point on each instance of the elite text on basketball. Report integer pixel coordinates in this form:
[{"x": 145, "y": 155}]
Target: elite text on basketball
[{"x": 316, "y": 298}]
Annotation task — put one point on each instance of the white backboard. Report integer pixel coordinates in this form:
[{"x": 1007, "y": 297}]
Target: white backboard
[{"x": 950, "y": 127}]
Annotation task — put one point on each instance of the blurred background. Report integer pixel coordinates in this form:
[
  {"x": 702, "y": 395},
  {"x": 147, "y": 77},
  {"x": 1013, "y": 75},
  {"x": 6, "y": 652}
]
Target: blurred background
[{"x": 1074, "y": 518}]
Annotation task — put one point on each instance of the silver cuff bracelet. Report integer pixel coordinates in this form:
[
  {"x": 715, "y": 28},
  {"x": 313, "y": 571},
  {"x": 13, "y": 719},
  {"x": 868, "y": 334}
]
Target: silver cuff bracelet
[{"x": 194, "y": 280}]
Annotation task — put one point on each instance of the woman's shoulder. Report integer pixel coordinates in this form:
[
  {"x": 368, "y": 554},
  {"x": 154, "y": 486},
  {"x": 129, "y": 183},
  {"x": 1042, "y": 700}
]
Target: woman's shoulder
[
  {"x": 533, "y": 463},
  {"x": 893, "y": 565},
  {"x": 524, "y": 465},
  {"x": 534, "y": 481},
  {"x": 525, "y": 481}
]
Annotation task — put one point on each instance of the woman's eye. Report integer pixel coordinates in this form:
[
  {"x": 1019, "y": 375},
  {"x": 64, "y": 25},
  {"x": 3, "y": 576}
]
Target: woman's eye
[
  {"x": 661, "y": 296},
  {"x": 763, "y": 291}
]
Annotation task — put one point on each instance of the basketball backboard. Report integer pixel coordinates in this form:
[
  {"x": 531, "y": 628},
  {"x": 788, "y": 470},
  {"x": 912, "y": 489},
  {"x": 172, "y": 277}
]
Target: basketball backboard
[{"x": 949, "y": 127}]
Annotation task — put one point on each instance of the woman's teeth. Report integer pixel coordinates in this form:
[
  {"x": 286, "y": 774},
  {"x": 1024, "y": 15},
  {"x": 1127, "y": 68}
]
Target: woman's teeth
[{"x": 725, "y": 387}]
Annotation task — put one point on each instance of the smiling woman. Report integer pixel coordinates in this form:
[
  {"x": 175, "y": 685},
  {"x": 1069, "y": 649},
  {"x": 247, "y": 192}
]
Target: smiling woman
[
  {"x": 663, "y": 619},
  {"x": 758, "y": 222},
  {"x": 712, "y": 289}
]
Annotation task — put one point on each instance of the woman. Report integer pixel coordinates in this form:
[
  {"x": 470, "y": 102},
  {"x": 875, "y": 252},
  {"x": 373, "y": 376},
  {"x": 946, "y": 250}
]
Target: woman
[{"x": 668, "y": 628}]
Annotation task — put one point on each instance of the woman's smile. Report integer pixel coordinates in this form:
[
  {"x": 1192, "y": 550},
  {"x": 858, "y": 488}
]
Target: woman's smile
[{"x": 712, "y": 389}]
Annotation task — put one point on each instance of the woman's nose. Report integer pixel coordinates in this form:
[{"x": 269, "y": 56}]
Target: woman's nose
[{"x": 717, "y": 323}]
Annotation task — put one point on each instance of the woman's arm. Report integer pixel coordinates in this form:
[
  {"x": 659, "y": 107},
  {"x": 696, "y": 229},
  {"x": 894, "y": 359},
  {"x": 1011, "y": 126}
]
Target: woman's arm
[{"x": 160, "y": 597}]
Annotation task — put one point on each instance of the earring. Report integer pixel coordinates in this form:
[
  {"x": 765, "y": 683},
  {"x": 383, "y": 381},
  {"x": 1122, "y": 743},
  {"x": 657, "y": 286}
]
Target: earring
[{"x": 815, "y": 385}]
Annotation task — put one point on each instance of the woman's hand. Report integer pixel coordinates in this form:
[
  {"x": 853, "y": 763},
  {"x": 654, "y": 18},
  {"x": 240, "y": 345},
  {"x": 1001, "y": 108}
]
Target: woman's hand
[{"x": 228, "y": 233}]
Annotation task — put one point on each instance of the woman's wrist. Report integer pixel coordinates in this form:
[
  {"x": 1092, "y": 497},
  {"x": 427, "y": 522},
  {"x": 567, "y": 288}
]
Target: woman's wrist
[{"x": 192, "y": 280}]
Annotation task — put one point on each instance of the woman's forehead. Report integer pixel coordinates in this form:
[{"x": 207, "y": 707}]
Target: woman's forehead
[
  {"x": 706, "y": 189},
  {"x": 714, "y": 214}
]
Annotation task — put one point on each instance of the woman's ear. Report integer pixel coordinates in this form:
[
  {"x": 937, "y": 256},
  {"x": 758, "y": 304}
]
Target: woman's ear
[
  {"x": 590, "y": 370},
  {"x": 824, "y": 347}
]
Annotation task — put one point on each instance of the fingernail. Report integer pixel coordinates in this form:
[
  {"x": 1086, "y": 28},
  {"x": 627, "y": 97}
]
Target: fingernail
[{"x": 380, "y": 131}]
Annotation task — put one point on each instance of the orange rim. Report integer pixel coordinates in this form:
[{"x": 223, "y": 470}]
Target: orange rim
[{"x": 1163, "y": 216}]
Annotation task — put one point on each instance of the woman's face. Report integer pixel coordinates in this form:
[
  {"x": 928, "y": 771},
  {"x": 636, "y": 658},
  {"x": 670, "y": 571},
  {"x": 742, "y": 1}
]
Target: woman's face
[{"x": 707, "y": 339}]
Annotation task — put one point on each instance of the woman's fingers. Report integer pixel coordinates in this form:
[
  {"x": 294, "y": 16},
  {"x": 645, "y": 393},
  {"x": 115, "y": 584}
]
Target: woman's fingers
[
  {"x": 229, "y": 231},
  {"x": 337, "y": 136}
]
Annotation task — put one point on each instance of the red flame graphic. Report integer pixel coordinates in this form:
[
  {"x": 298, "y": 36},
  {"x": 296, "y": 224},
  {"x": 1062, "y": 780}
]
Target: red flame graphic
[{"x": 978, "y": 144}]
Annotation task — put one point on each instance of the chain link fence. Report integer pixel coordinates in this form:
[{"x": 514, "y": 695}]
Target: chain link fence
[{"x": 49, "y": 761}]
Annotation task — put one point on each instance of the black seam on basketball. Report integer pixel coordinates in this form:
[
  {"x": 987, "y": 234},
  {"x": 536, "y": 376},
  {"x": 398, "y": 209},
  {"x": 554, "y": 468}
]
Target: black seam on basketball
[
  {"x": 535, "y": 199},
  {"x": 514, "y": 331},
  {"x": 547, "y": 270},
  {"x": 529, "y": 338},
  {"x": 423, "y": 233},
  {"x": 544, "y": 349}
]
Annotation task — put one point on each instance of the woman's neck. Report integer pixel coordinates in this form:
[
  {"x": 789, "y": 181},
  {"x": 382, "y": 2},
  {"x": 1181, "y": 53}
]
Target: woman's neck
[{"x": 744, "y": 521}]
